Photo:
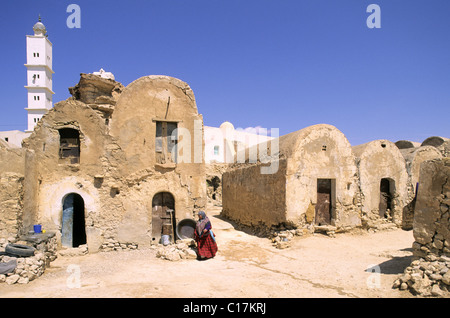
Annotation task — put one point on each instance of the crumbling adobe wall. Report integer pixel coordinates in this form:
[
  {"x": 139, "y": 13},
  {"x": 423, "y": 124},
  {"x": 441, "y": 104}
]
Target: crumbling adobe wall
[
  {"x": 446, "y": 149},
  {"x": 49, "y": 180},
  {"x": 320, "y": 152},
  {"x": 142, "y": 103},
  {"x": 432, "y": 212},
  {"x": 93, "y": 89},
  {"x": 116, "y": 175},
  {"x": 440, "y": 143},
  {"x": 414, "y": 158},
  {"x": 11, "y": 190},
  {"x": 289, "y": 195},
  {"x": 381, "y": 159},
  {"x": 252, "y": 198},
  {"x": 429, "y": 273},
  {"x": 214, "y": 172}
]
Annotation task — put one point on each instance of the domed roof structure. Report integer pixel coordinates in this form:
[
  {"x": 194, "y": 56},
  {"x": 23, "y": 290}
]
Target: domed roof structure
[
  {"x": 227, "y": 125},
  {"x": 39, "y": 28}
]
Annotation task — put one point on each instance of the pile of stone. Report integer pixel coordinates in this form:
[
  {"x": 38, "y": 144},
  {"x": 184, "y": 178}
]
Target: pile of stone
[
  {"x": 74, "y": 251},
  {"x": 183, "y": 249},
  {"x": 43, "y": 243},
  {"x": 6, "y": 241},
  {"x": 427, "y": 277},
  {"x": 282, "y": 238},
  {"x": 26, "y": 269},
  {"x": 280, "y": 235},
  {"x": 112, "y": 245}
]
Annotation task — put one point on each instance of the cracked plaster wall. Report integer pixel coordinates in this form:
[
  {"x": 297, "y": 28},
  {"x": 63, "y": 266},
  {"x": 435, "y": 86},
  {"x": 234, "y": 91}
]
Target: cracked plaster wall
[
  {"x": 431, "y": 217},
  {"x": 117, "y": 175}
]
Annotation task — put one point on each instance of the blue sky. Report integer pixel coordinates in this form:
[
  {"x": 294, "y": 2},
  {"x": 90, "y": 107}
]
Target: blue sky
[{"x": 284, "y": 64}]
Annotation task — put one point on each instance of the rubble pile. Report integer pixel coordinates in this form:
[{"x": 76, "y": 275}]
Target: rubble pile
[
  {"x": 113, "y": 245},
  {"x": 428, "y": 274},
  {"x": 427, "y": 277},
  {"x": 281, "y": 238},
  {"x": 183, "y": 249},
  {"x": 26, "y": 268}
]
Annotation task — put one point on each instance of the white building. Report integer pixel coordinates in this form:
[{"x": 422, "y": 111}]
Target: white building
[
  {"x": 14, "y": 137},
  {"x": 39, "y": 83},
  {"x": 39, "y": 75},
  {"x": 223, "y": 143},
  {"x": 102, "y": 73}
]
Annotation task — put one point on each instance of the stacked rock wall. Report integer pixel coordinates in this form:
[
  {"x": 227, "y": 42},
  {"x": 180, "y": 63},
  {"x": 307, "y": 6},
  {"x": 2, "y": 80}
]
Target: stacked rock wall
[
  {"x": 431, "y": 220},
  {"x": 429, "y": 273},
  {"x": 11, "y": 190}
]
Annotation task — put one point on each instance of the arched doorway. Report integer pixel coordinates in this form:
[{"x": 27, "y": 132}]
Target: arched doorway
[
  {"x": 387, "y": 187},
  {"x": 163, "y": 216},
  {"x": 73, "y": 229}
]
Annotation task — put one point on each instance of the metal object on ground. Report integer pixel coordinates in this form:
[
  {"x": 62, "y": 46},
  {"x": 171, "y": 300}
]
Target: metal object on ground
[{"x": 185, "y": 229}]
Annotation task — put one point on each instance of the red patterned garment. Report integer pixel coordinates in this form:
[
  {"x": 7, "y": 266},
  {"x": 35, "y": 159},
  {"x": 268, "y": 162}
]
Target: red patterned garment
[
  {"x": 206, "y": 243},
  {"x": 206, "y": 246}
]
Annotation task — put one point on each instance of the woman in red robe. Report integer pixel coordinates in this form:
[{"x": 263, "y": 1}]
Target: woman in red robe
[{"x": 206, "y": 242}]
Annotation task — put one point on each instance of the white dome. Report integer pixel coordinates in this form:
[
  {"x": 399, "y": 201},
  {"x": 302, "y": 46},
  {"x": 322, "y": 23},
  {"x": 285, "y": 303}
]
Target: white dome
[
  {"x": 226, "y": 125},
  {"x": 39, "y": 28}
]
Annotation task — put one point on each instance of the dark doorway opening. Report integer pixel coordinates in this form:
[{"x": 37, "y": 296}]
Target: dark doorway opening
[
  {"x": 73, "y": 230},
  {"x": 324, "y": 202},
  {"x": 163, "y": 216},
  {"x": 386, "y": 190},
  {"x": 213, "y": 188}
]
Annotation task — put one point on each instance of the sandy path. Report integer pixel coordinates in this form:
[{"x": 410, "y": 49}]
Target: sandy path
[{"x": 245, "y": 266}]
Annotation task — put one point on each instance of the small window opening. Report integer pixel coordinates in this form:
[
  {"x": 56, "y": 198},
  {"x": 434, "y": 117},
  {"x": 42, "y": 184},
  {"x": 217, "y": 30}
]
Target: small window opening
[
  {"x": 216, "y": 150},
  {"x": 383, "y": 145},
  {"x": 324, "y": 148},
  {"x": 166, "y": 142},
  {"x": 69, "y": 146}
]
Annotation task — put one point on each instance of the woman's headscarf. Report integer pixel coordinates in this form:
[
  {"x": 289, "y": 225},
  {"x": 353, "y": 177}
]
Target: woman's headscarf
[{"x": 202, "y": 222}]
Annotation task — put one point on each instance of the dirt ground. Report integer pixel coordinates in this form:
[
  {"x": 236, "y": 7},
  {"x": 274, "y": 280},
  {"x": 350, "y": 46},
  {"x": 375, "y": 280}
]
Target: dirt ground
[{"x": 315, "y": 266}]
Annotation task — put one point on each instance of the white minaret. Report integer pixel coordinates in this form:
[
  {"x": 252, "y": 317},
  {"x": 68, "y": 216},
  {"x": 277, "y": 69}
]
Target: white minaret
[{"x": 39, "y": 75}]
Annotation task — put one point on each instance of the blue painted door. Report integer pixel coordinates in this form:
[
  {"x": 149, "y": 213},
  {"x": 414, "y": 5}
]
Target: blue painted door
[{"x": 67, "y": 222}]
